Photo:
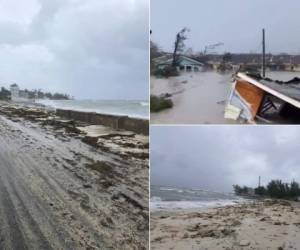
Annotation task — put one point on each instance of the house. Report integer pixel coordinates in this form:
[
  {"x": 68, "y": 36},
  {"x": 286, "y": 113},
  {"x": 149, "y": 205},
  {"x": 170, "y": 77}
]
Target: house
[
  {"x": 14, "y": 90},
  {"x": 184, "y": 63},
  {"x": 254, "y": 98},
  {"x": 18, "y": 95}
]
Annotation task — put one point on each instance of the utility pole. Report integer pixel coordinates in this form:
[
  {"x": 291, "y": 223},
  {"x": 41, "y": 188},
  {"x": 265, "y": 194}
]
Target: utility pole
[
  {"x": 259, "y": 181},
  {"x": 263, "y": 54}
]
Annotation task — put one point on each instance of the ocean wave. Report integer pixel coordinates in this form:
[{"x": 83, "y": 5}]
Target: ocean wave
[
  {"x": 158, "y": 205},
  {"x": 155, "y": 199},
  {"x": 171, "y": 189},
  {"x": 135, "y": 109},
  {"x": 144, "y": 104}
]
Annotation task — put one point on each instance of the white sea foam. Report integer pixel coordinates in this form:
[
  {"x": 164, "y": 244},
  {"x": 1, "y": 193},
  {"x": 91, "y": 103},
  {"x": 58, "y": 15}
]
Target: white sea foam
[
  {"x": 130, "y": 108},
  {"x": 170, "y": 189},
  {"x": 157, "y": 204},
  {"x": 145, "y": 104}
]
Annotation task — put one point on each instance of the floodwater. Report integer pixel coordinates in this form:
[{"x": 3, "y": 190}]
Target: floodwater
[
  {"x": 199, "y": 98},
  {"x": 282, "y": 75}
]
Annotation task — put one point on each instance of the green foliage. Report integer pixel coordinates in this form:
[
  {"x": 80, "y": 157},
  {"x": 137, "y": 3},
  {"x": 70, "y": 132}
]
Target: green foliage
[
  {"x": 154, "y": 53},
  {"x": 179, "y": 44},
  {"x": 4, "y": 94},
  {"x": 275, "y": 189},
  {"x": 294, "y": 189},
  {"x": 239, "y": 190},
  {"x": 260, "y": 191},
  {"x": 154, "y": 50},
  {"x": 41, "y": 95},
  {"x": 166, "y": 72},
  {"x": 159, "y": 103}
]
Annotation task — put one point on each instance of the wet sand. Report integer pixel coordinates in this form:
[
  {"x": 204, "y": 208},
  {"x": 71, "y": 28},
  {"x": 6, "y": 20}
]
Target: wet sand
[
  {"x": 260, "y": 225},
  {"x": 199, "y": 98},
  {"x": 59, "y": 192}
]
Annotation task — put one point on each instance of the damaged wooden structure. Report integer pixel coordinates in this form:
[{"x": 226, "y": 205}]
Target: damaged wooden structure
[{"x": 254, "y": 99}]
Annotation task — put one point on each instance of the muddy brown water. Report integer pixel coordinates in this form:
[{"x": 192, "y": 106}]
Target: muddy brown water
[{"x": 199, "y": 98}]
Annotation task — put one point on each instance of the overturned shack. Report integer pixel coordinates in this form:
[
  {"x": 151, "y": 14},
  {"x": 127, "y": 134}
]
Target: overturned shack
[
  {"x": 139, "y": 126},
  {"x": 256, "y": 99}
]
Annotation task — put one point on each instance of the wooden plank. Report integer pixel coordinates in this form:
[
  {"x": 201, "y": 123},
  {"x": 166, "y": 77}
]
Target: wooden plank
[
  {"x": 251, "y": 94},
  {"x": 269, "y": 90}
]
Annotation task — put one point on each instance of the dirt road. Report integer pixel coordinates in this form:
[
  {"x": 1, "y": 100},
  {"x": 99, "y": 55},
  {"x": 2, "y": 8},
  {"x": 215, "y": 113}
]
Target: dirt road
[{"x": 57, "y": 192}]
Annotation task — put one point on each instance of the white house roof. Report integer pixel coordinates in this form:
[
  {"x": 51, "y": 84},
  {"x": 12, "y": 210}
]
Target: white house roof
[
  {"x": 191, "y": 60},
  {"x": 167, "y": 60}
]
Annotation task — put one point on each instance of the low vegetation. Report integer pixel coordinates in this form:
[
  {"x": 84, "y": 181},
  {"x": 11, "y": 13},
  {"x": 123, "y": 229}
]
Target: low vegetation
[
  {"x": 166, "y": 72},
  {"x": 4, "y": 94},
  {"x": 275, "y": 189},
  {"x": 34, "y": 94},
  {"x": 179, "y": 46},
  {"x": 159, "y": 103}
]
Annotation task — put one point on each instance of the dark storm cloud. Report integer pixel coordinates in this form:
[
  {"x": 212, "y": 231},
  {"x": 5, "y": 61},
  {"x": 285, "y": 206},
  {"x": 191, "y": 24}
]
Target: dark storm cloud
[
  {"x": 217, "y": 157},
  {"x": 90, "y": 49},
  {"x": 236, "y": 23}
]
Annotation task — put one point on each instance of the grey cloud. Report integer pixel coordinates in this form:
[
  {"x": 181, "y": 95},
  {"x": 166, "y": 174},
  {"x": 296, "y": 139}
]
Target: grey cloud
[
  {"x": 236, "y": 23},
  {"x": 98, "y": 49},
  {"x": 219, "y": 156}
]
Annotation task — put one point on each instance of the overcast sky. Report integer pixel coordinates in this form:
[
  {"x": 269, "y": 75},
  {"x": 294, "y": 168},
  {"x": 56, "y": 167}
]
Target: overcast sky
[
  {"x": 236, "y": 23},
  {"x": 216, "y": 157},
  {"x": 87, "y": 48}
]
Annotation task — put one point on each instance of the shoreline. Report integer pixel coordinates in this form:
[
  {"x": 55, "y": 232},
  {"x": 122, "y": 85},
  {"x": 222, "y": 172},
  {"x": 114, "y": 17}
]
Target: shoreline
[
  {"x": 137, "y": 125},
  {"x": 122, "y": 122},
  {"x": 91, "y": 110},
  {"x": 67, "y": 184},
  {"x": 262, "y": 224},
  {"x": 177, "y": 206}
]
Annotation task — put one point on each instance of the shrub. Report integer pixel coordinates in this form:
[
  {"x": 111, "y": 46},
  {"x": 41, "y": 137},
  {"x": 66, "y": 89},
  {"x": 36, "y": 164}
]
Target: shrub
[
  {"x": 260, "y": 191},
  {"x": 275, "y": 189},
  {"x": 238, "y": 190},
  {"x": 159, "y": 103},
  {"x": 166, "y": 72}
]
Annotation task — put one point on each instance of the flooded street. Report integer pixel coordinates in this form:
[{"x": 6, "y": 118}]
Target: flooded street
[
  {"x": 199, "y": 98},
  {"x": 282, "y": 75}
]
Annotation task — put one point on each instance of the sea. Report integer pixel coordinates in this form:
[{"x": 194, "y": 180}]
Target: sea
[
  {"x": 166, "y": 198},
  {"x": 131, "y": 108}
]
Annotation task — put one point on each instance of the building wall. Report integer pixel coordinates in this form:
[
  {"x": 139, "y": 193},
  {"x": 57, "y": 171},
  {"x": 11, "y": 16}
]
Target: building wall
[{"x": 14, "y": 93}]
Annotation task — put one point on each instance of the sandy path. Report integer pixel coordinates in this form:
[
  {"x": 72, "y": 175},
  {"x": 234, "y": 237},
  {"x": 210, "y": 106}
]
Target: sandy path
[
  {"x": 260, "y": 226},
  {"x": 57, "y": 192}
]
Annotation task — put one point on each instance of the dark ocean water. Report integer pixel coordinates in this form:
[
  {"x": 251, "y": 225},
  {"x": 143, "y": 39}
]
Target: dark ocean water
[{"x": 168, "y": 198}]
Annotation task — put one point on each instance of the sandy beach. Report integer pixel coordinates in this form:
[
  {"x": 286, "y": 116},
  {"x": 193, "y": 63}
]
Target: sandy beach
[
  {"x": 261, "y": 225},
  {"x": 69, "y": 185}
]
